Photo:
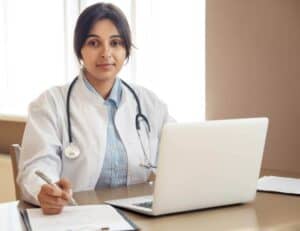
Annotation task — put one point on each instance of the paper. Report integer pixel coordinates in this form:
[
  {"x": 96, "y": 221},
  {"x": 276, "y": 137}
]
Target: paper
[
  {"x": 75, "y": 218},
  {"x": 279, "y": 184}
]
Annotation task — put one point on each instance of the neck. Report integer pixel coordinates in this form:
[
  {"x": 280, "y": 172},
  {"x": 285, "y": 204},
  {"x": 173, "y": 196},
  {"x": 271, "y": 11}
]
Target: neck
[{"x": 103, "y": 87}]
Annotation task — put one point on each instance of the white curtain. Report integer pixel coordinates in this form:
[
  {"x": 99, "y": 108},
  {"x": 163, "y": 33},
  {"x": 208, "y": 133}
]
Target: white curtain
[{"x": 36, "y": 50}]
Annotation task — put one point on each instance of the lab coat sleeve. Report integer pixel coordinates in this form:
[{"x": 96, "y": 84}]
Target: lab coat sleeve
[{"x": 41, "y": 147}]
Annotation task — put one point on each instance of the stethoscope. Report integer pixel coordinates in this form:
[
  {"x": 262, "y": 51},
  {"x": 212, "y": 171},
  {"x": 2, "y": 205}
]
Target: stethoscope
[{"x": 72, "y": 151}]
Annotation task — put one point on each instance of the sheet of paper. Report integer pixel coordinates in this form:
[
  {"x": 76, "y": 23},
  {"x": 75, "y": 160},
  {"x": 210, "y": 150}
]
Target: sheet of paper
[
  {"x": 279, "y": 184},
  {"x": 75, "y": 218}
]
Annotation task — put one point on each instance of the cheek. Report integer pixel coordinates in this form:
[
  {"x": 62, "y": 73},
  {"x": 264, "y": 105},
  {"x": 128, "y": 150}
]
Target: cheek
[
  {"x": 88, "y": 57},
  {"x": 121, "y": 57}
]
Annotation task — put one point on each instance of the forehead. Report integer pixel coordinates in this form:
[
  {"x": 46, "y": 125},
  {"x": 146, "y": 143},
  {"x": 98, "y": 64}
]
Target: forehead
[{"x": 104, "y": 28}]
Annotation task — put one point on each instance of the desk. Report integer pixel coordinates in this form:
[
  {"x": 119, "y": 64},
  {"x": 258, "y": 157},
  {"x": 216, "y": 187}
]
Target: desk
[{"x": 269, "y": 211}]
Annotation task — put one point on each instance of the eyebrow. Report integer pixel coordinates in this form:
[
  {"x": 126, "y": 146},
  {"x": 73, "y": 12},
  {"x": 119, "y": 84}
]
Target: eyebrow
[{"x": 97, "y": 36}]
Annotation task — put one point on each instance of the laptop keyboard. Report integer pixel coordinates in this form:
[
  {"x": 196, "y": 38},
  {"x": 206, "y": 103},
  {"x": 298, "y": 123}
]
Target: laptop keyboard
[{"x": 147, "y": 204}]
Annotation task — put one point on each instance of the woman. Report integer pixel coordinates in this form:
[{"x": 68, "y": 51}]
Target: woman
[{"x": 102, "y": 113}]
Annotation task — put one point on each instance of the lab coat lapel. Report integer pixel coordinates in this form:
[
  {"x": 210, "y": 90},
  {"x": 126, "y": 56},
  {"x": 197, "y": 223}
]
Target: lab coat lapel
[{"x": 125, "y": 123}]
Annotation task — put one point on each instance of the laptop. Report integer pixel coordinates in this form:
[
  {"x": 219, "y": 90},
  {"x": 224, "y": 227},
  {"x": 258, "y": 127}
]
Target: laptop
[{"x": 203, "y": 165}]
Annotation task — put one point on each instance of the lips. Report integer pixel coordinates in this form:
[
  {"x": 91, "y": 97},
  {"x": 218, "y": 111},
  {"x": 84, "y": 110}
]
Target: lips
[{"x": 105, "y": 66}]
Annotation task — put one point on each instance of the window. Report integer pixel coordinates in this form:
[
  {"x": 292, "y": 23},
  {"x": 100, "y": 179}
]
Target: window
[
  {"x": 32, "y": 51},
  {"x": 37, "y": 51}
]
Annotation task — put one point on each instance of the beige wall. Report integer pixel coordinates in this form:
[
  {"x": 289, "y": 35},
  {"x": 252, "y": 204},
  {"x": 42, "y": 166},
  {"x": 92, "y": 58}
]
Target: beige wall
[
  {"x": 11, "y": 132},
  {"x": 253, "y": 69},
  {"x": 7, "y": 188}
]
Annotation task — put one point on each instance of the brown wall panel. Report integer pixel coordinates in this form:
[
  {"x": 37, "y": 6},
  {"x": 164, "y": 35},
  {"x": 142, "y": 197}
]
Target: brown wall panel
[
  {"x": 11, "y": 132},
  {"x": 253, "y": 69}
]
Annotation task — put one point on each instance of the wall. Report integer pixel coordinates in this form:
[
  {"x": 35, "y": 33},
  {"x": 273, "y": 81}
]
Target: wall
[
  {"x": 253, "y": 69},
  {"x": 7, "y": 192},
  {"x": 11, "y": 131}
]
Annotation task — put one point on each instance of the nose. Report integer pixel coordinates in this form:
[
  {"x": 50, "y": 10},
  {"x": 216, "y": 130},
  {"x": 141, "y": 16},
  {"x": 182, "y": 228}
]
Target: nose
[{"x": 106, "y": 51}]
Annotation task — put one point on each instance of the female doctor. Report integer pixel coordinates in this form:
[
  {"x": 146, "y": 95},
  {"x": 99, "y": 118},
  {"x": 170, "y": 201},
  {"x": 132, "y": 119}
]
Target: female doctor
[{"x": 97, "y": 131}]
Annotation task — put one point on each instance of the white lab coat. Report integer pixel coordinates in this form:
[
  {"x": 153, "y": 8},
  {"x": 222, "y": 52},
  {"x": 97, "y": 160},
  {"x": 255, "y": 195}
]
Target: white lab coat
[{"x": 46, "y": 136}]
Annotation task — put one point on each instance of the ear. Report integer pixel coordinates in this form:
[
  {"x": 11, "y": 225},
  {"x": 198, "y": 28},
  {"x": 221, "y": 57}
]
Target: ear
[{"x": 81, "y": 63}]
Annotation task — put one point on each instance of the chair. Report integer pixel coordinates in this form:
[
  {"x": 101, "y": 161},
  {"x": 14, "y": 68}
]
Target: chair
[{"x": 14, "y": 152}]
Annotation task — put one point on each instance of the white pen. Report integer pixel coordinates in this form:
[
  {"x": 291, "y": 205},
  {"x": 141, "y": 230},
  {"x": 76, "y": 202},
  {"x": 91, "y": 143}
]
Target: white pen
[{"x": 48, "y": 181}]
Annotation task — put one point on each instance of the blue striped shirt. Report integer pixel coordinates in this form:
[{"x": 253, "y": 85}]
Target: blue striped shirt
[{"x": 115, "y": 165}]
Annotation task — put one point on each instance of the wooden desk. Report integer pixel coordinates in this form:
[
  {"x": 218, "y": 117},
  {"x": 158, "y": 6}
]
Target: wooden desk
[{"x": 269, "y": 211}]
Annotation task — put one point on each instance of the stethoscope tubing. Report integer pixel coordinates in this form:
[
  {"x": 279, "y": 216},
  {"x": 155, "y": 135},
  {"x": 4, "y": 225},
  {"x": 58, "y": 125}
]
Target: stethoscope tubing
[
  {"x": 138, "y": 116},
  {"x": 68, "y": 110}
]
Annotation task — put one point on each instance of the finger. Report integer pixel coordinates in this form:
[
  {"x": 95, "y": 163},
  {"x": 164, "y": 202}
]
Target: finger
[
  {"x": 50, "y": 206},
  {"x": 66, "y": 196},
  {"x": 53, "y": 201},
  {"x": 64, "y": 184},
  {"x": 46, "y": 205},
  {"x": 51, "y": 190},
  {"x": 51, "y": 211}
]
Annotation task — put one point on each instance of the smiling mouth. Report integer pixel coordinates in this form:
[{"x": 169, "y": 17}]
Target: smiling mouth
[{"x": 105, "y": 65}]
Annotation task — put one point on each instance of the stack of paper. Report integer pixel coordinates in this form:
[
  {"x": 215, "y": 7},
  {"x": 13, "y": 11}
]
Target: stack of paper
[
  {"x": 279, "y": 184},
  {"x": 84, "y": 217}
]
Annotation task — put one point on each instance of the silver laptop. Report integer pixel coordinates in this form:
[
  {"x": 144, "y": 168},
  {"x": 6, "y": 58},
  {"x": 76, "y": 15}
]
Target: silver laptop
[{"x": 203, "y": 165}]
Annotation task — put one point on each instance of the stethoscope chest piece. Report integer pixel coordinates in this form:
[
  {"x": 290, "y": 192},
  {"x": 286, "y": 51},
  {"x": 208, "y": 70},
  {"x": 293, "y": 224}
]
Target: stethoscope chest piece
[{"x": 72, "y": 151}]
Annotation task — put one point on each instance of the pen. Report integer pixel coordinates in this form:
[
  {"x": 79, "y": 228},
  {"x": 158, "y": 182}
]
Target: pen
[{"x": 48, "y": 181}]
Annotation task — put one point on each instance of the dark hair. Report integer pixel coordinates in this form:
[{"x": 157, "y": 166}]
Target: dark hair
[{"x": 97, "y": 12}]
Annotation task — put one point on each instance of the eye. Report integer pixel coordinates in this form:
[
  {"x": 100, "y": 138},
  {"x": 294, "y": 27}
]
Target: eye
[
  {"x": 116, "y": 43},
  {"x": 93, "y": 43}
]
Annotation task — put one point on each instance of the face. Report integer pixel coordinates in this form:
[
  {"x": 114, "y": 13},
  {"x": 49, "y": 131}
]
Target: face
[{"x": 103, "y": 53}]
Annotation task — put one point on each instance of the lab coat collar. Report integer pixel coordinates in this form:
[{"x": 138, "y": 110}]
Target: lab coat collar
[
  {"x": 116, "y": 95},
  {"x": 82, "y": 89}
]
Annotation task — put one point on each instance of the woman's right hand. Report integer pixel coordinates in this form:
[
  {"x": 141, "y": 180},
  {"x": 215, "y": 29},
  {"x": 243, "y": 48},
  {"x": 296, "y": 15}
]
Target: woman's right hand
[{"x": 53, "y": 198}]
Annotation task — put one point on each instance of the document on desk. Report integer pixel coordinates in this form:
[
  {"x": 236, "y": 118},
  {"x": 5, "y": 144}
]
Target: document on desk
[
  {"x": 83, "y": 217},
  {"x": 279, "y": 184}
]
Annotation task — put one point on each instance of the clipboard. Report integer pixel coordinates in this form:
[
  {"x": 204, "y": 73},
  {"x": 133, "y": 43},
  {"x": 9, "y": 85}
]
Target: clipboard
[{"x": 34, "y": 219}]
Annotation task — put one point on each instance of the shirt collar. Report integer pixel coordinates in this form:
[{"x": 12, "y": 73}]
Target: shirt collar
[{"x": 114, "y": 95}]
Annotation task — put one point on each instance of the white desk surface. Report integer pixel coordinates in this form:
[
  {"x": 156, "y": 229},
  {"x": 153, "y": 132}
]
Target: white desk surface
[{"x": 10, "y": 218}]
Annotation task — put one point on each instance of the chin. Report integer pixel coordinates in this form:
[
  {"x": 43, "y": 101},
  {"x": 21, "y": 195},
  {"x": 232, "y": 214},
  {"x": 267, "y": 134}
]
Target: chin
[{"x": 104, "y": 78}]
